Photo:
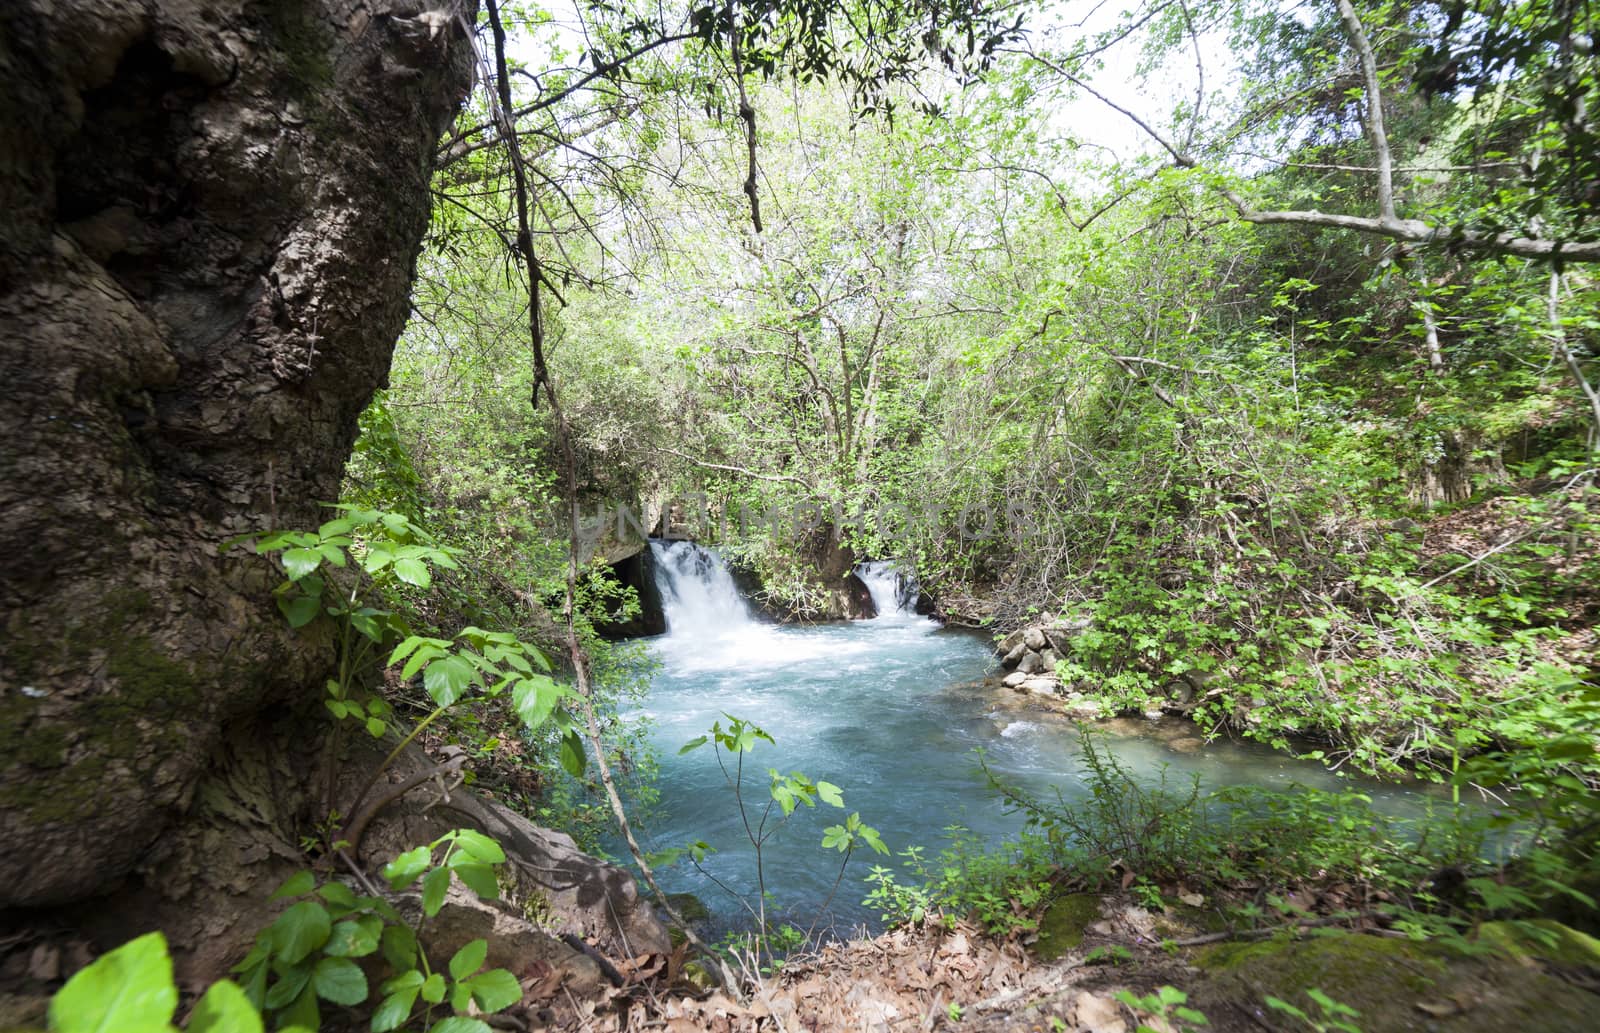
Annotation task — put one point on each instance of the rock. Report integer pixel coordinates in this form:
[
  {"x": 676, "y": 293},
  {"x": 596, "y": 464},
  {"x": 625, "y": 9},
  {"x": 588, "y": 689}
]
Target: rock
[
  {"x": 1180, "y": 692},
  {"x": 1014, "y": 657},
  {"x": 1041, "y": 686},
  {"x": 1014, "y": 680},
  {"x": 1153, "y": 714},
  {"x": 1010, "y": 643},
  {"x": 514, "y": 942},
  {"x": 1084, "y": 709},
  {"x": 1034, "y": 638},
  {"x": 1050, "y": 658},
  {"x": 1031, "y": 663},
  {"x": 1062, "y": 925},
  {"x": 1095, "y": 1014},
  {"x": 1061, "y": 634}
]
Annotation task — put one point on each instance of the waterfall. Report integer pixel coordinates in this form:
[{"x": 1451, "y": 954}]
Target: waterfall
[
  {"x": 893, "y": 593},
  {"x": 698, "y": 596}
]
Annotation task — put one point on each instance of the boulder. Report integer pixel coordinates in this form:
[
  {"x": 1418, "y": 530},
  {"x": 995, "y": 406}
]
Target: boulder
[
  {"x": 515, "y": 943},
  {"x": 1041, "y": 686},
  {"x": 1014, "y": 657},
  {"x": 1010, "y": 643},
  {"x": 1031, "y": 663},
  {"x": 1014, "y": 680},
  {"x": 1084, "y": 709},
  {"x": 1034, "y": 638},
  {"x": 1050, "y": 658}
]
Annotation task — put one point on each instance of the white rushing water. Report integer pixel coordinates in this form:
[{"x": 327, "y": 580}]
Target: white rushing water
[{"x": 885, "y": 709}]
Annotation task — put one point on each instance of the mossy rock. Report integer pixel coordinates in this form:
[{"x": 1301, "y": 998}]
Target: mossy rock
[
  {"x": 1062, "y": 925},
  {"x": 1396, "y": 985},
  {"x": 1543, "y": 939}
]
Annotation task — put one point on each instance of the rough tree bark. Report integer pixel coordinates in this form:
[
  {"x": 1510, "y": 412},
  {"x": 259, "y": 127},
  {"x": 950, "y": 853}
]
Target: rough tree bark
[{"x": 209, "y": 219}]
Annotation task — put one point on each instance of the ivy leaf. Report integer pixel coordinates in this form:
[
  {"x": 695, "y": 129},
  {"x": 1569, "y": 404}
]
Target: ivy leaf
[
  {"x": 479, "y": 878},
  {"x": 460, "y": 1024},
  {"x": 468, "y": 959},
  {"x": 479, "y": 846},
  {"x": 300, "y": 562},
  {"x": 296, "y": 885},
  {"x": 354, "y": 938},
  {"x": 573, "y": 759},
  {"x": 224, "y": 1009},
  {"x": 434, "y": 886},
  {"x": 300, "y": 930},
  {"x": 495, "y": 989},
  {"x": 447, "y": 678},
  {"x": 129, "y": 990},
  {"x": 340, "y": 980},
  {"x": 413, "y": 572},
  {"x": 404, "y": 870}
]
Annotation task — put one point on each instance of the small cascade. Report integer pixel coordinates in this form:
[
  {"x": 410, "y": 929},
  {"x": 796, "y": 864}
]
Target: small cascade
[
  {"x": 893, "y": 593},
  {"x": 697, "y": 591}
]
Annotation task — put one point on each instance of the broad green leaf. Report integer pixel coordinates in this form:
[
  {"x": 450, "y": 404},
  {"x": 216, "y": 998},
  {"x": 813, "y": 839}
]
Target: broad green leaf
[
  {"x": 461, "y": 1024},
  {"x": 480, "y": 846},
  {"x": 830, "y": 794},
  {"x": 338, "y": 894},
  {"x": 291, "y": 983},
  {"x": 340, "y": 980},
  {"x": 447, "y": 678},
  {"x": 535, "y": 699},
  {"x": 468, "y": 959},
  {"x": 376, "y": 727},
  {"x": 399, "y": 946},
  {"x": 303, "y": 1011},
  {"x": 495, "y": 989},
  {"x": 128, "y": 990},
  {"x": 394, "y": 1010},
  {"x": 413, "y": 572},
  {"x": 427, "y": 654},
  {"x": 479, "y": 878},
  {"x": 404, "y": 870},
  {"x": 354, "y": 937},
  {"x": 433, "y": 988},
  {"x": 224, "y": 1009},
  {"x": 434, "y": 886},
  {"x": 573, "y": 759},
  {"x": 296, "y": 885},
  {"x": 693, "y": 744},
  {"x": 300, "y": 930},
  {"x": 300, "y": 562},
  {"x": 299, "y": 610}
]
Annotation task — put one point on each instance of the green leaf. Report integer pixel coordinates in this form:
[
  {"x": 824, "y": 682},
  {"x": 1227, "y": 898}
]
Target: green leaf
[
  {"x": 480, "y": 846},
  {"x": 340, "y": 980},
  {"x": 393, "y": 1011},
  {"x": 460, "y": 1024},
  {"x": 468, "y": 959},
  {"x": 535, "y": 699},
  {"x": 434, "y": 886},
  {"x": 413, "y": 572},
  {"x": 296, "y": 885},
  {"x": 830, "y": 794},
  {"x": 693, "y": 744},
  {"x": 300, "y": 930},
  {"x": 404, "y": 870},
  {"x": 303, "y": 1012},
  {"x": 300, "y": 610},
  {"x": 376, "y": 727},
  {"x": 291, "y": 983},
  {"x": 399, "y": 946},
  {"x": 573, "y": 759},
  {"x": 300, "y": 562},
  {"x": 433, "y": 988},
  {"x": 354, "y": 937},
  {"x": 447, "y": 678},
  {"x": 495, "y": 989},
  {"x": 479, "y": 878},
  {"x": 128, "y": 990},
  {"x": 224, "y": 1009}
]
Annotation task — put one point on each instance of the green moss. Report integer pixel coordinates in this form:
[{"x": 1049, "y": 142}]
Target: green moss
[
  {"x": 1543, "y": 939},
  {"x": 1396, "y": 985},
  {"x": 1062, "y": 925}
]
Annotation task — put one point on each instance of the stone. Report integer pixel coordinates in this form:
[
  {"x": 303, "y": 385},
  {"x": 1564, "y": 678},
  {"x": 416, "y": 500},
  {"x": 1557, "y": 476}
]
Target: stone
[
  {"x": 1014, "y": 657},
  {"x": 513, "y": 940},
  {"x": 1014, "y": 680},
  {"x": 1153, "y": 714},
  {"x": 1031, "y": 663},
  {"x": 1034, "y": 638},
  {"x": 1084, "y": 709},
  {"x": 1010, "y": 643},
  {"x": 1050, "y": 658},
  {"x": 1095, "y": 1014},
  {"x": 1041, "y": 686}
]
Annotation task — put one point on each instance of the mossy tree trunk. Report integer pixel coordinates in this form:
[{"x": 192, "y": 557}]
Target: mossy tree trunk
[{"x": 209, "y": 219}]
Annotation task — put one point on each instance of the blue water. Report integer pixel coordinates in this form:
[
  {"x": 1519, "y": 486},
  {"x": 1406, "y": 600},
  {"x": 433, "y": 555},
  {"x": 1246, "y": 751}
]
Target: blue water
[{"x": 888, "y": 710}]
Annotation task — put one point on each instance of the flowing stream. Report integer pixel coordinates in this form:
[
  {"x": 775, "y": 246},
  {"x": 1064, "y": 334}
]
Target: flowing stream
[{"x": 885, "y": 709}]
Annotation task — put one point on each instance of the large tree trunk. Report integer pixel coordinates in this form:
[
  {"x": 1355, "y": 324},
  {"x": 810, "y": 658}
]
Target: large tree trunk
[{"x": 209, "y": 218}]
